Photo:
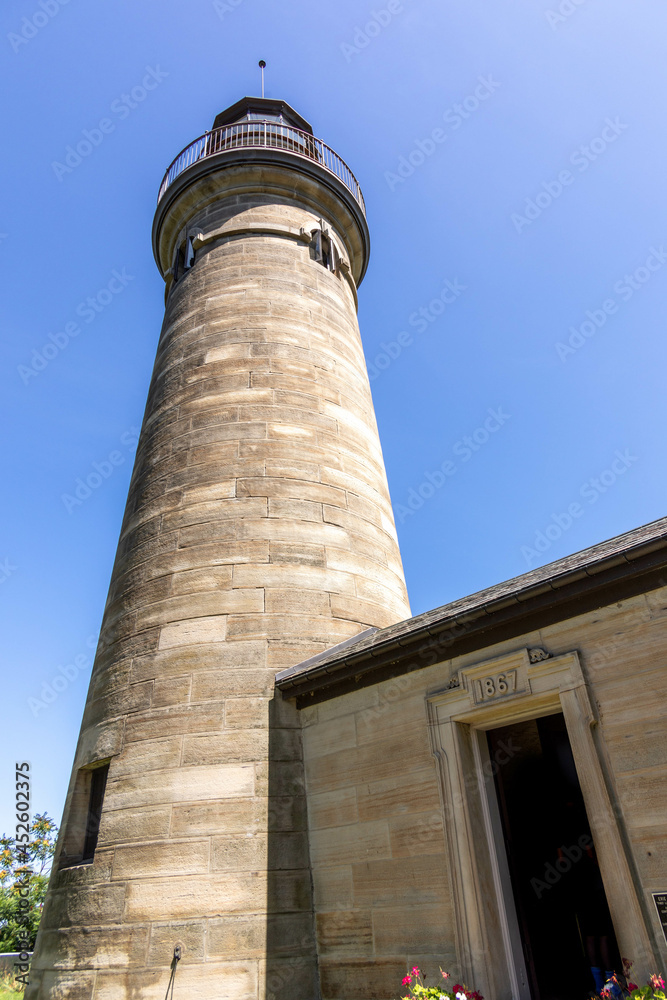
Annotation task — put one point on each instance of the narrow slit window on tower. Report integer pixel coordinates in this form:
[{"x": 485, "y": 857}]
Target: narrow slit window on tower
[
  {"x": 98, "y": 781},
  {"x": 83, "y": 822},
  {"x": 325, "y": 249},
  {"x": 189, "y": 254},
  {"x": 177, "y": 264}
]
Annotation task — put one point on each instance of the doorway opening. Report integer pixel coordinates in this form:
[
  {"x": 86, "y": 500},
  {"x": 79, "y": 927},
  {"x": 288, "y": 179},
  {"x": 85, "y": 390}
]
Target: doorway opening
[{"x": 561, "y": 908}]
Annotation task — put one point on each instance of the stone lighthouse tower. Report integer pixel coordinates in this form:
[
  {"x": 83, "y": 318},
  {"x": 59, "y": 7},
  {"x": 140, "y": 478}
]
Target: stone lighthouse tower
[{"x": 258, "y": 532}]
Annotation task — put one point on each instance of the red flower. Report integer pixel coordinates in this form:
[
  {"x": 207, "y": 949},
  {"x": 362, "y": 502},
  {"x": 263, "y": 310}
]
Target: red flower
[
  {"x": 407, "y": 980},
  {"x": 632, "y": 986}
]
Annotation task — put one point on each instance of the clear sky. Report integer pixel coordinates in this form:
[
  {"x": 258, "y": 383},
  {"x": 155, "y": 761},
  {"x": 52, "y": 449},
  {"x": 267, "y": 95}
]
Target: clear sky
[{"x": 512, "y": 157}]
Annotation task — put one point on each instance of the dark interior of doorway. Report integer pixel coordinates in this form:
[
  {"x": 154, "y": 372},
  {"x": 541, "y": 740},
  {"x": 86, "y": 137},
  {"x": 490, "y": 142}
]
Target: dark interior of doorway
[{"x": 561, "y": 906}]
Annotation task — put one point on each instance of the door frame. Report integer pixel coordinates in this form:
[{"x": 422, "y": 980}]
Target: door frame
[{"x": 521, "y": 685}]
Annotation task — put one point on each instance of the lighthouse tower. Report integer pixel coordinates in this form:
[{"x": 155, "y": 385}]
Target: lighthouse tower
[{"x": 258, "y": 532}]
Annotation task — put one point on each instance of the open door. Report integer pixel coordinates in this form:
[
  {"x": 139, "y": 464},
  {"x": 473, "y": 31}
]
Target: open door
[{"x": 565, "y": 927}]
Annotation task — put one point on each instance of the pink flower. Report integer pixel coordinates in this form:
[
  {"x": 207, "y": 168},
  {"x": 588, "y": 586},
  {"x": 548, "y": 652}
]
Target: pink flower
[
  {"x": 407, "y": 980},
  {"x": 445, "y": 975},
  {"x": 656, "y": 982},
  {"x": 415, "y": 971}
]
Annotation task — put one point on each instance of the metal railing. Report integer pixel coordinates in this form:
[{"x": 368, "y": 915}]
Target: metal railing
[{"x": 266, "y": 134}]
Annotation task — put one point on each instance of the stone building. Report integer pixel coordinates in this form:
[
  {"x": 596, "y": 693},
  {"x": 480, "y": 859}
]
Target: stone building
[{"x": 285, "y": 786}]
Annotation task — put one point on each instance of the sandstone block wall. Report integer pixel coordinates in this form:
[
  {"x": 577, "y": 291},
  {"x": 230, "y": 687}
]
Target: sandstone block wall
[{"x": 382, "y": 878}]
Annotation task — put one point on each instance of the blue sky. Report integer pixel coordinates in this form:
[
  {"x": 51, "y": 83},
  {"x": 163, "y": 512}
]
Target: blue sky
[{"x": 520, "y": 258}]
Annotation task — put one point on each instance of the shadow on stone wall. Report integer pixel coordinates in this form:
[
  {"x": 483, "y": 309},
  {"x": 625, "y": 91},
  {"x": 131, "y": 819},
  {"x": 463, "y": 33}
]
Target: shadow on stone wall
[{"x": 291, "y": 956}]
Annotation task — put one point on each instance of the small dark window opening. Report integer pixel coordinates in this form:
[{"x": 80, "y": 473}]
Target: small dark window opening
[
  {"x": 83, "y": 821},
  {"x": 189, "y": 254},
  {"x": 98, "y": 783},
  {"x": 184, "y": 258},
  {"x": 325, "y": 250},
  {"x": 177, "y": 266}
]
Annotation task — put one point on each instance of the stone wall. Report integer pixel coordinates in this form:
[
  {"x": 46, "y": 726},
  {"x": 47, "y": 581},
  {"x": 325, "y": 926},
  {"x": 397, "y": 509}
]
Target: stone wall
[{"x": 382, "y": 869}]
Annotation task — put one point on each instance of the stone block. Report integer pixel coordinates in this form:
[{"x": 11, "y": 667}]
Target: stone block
[
  {"x": 220, "y": 510},
  {"x": 286, "y": 850},
  {"x": 401, "y": 882},
  {"x": 63, "y": 985},
  {"x": 278, "y": 777},
  {"x": 214, "y": 416},
  {"x": 123, "y": 825},
  {"x": 89, "y": 904},
  {"x": 205, "y": 980},
  {"x": 344, "y": 845},
  {"x": 139, "y": 861},
  {"x": 298, "y": 553},
  {"x": 290, "y": 489},
  {"x": 369, "y": 762},
  {"x": 283, "y": 978},
  {"x": 292, "y": 530},
  {"x": 286, "y": 813},
  {"x": 194, "y": 896},
  {"x": 400, "y": 711},
  {"x": 414, "y": 790},
  {"x": 212, "y": 685},
  {"x": 246, "y": 713},
  {"x": 219, "y": 656},
  {"x": 338, "y": 808},
  {"x": 103, "y": 739},
  {"x": 345, "y": 932},
  {"x": 226, "y": 748},
  {"x": 358, "y": 700},
  {"x": 193, "y": 607},
  {"x": 288, "y": 891},
  {"x": 243, "y": 934},
  {"x": 367, "y": 613},
  {"x": 189, "y": 934},
  {"x": 195, "y": 630},
  {"x": 401, "y": 929},
  {"x": 175, "y": 721},
  {"x": 282, "y": 654},
  {"x": 289, "y": 577},
  {"x": 99, "y": 948},
  {"x": 333, "y": 888},
  {"x": 171, "y": 691},
  {"x": 199, "y": 581},
  {"x": 237, "y": 815},
  {"x": 197, "y": 784},
  {"x": 309, "y": 629},
  {"x": 297, "y": 602},
  {"x": 361, "y": 979},
  {"x": 330, "y": 737},
  {"x": 297, "y": 510},
  {"x": 239, "y": 854},
  {"x": 277, "y": 468}
]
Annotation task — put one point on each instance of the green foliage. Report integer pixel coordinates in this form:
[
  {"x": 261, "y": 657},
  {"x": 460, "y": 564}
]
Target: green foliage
[
  {"x": 24, "y": 876},
  {"x": 9, "y": 990}
]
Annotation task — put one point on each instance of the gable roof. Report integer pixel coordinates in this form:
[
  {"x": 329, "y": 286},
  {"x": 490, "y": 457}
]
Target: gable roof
[{"x": 614, "y": 570}]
